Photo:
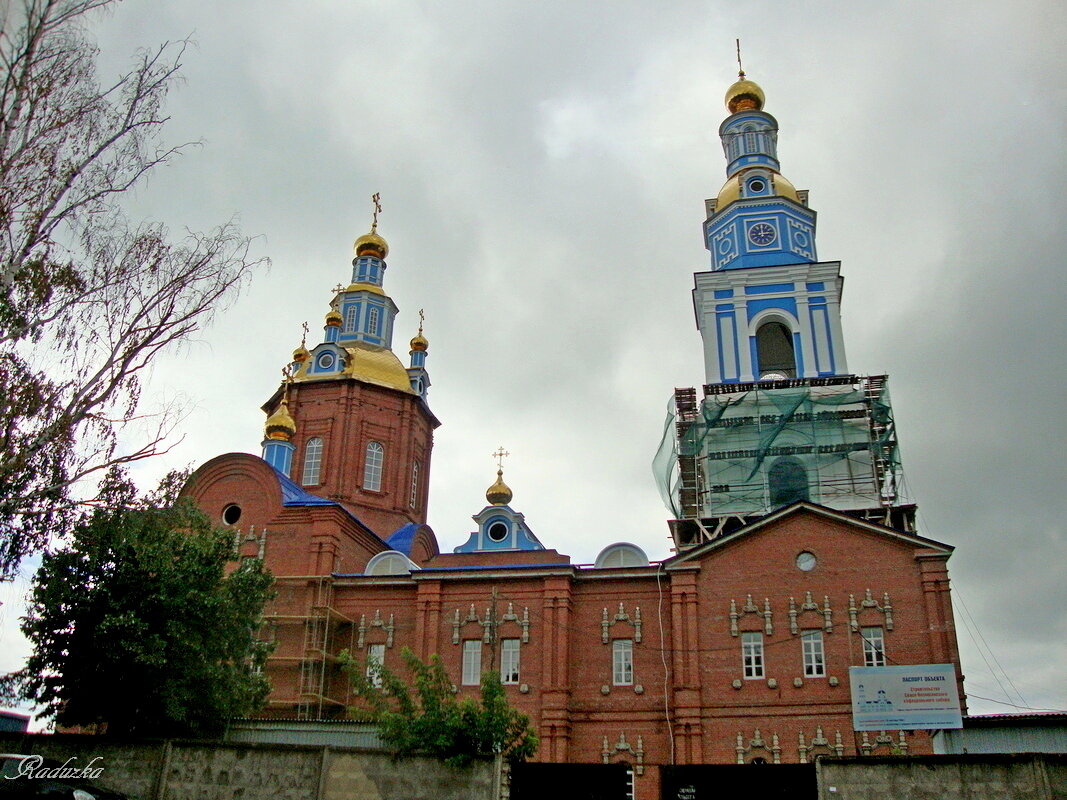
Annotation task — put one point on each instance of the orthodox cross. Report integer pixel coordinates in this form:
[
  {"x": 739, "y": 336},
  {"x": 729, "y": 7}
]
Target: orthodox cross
[
  {"x": 500, "y": 455},
  {"x": 338, "y": 288},
  {"x": 422, "y": 318},
  {"x": 304, "y": 338},
  {"x": 376, "y": 199},
  {"x": 287, "y": 378},
  {"x": 740, "y": 69}
]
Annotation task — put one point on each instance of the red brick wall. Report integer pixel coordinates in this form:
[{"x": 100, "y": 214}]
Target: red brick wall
[
  {"x": 348, "y": 415},
  {"x": 686, "y": 661}
]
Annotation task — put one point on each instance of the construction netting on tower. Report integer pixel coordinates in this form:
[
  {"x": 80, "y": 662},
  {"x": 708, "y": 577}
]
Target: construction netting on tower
[{"x": 745, "y": 449}]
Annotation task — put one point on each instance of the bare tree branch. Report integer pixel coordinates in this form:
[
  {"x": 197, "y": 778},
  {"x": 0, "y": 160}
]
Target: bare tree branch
[{"x": 87, "y": 298}]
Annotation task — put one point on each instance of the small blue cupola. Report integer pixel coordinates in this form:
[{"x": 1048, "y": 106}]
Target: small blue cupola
[
  {"x": 420, "y": 379},
  {"x": 500, "y": 527}
]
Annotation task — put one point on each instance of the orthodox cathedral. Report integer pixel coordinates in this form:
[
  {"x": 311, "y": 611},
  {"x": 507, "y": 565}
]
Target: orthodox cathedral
[{"x": 795, "y": 551}]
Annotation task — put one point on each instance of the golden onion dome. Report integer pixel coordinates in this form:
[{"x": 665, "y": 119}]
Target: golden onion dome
[
  {"x": 419, "y": 342},
  {"x": 731, "y": 190},
  {"x": 371, "y": 244},
  {"x": 499, "y": 494},
  {"x": 334, "y": 318},
  {"x": 280, "y": 424},
  {"x": 301, "y": 354},
  {"x": 744, "y": 95}
]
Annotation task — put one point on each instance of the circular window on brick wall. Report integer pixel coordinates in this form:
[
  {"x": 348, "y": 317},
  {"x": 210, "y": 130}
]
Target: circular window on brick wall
[
  {"x": 806, "y": 561},
  {"x": 231, "y": 514}
]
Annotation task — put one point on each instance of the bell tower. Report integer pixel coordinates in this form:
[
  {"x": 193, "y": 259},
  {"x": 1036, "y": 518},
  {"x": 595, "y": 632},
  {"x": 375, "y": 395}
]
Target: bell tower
[
  {"x": 780, "y": 418},
  {"x": 351, "y": 423}
]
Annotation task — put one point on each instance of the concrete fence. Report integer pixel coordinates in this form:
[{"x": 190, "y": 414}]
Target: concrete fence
[
  {"x": 1023, "y": 776},
  {"x": 188, "y": 769}
]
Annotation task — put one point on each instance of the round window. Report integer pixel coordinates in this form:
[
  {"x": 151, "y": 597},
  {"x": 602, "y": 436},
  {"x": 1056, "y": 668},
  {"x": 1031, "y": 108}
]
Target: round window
[
  {"x": 231, "y": 514},
  {"x": 326, "y": 361},
  {"x": 498, "y": 531},
  {"x": 806, "y": 561},
  {"x": 757, "y": 185}
]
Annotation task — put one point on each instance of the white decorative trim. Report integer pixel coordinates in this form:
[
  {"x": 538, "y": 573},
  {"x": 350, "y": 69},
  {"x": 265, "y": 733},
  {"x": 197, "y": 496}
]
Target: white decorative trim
[
  {"x": 810, "y": 605},
  {"x": 750, "y": 608},
  {"x": 489, "y": 624},
  {"x": 623, "y": 746},
  {"x": 758, "y": 743},
  {"x": 883, "y": 739},
  {"x": 868, "y": 603},
  {"x": 817, "y": 741},
  {"x": 620, "y": 616},
  {"x": 388, "y": 627}
]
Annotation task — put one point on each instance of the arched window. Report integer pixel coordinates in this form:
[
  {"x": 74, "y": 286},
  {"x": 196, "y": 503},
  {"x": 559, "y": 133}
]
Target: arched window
[
  {"x": 351, "y": 317},
  {"x": 787, "y": 480},
  {"x": 391, "y": 562},
  {"x": 372, "y": 322},
  {"x": 774, "y": 349},
  {"x": 622, "y": 554},
  {"x": 372, "y": 467},
  {"x": 312, "y": 462}
]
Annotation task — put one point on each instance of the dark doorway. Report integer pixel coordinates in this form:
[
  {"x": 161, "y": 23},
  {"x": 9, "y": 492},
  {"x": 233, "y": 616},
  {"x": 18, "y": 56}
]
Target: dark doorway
[
  {"x": 570, "y": 782},
  {"x": 725, "y": 781}
]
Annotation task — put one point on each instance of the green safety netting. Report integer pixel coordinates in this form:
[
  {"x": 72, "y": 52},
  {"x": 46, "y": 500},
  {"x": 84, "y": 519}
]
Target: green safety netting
[{"x": 841, "y": 433}]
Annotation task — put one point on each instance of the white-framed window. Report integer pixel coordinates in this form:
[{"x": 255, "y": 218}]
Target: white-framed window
[
  {"x": 752, "y": 654},
  {"x": 622, "y": 662},
  {"x": 873, "y": 647},
  {"x": 472, "y": 662},
  {"x": 372, "y": 321},
  {"x": 814, "y": 659},
  {"x": 414, "y": 500},
  {"x": 351, "y": 317},
  {"x": 312, "y": 462},
  {"x": 509, "y": 660},
  {"x": 375, "y": 661},
  {"x": 372, "y": 467}
]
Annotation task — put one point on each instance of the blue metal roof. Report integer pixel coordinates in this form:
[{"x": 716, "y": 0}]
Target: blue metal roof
[
  {"x": 294, "y": 495},
  {"x": 559, "y": 564},
  {"x": 403, "y": 538}
]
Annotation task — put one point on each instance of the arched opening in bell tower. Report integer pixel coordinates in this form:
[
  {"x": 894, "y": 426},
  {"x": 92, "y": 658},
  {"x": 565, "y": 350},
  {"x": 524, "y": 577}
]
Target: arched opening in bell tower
[
  {"x": 787, "y": 481},
  {"x": 774, "y": 350}
]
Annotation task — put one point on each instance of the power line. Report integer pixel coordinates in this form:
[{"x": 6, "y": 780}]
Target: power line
[
  {"x": 959, "y": 595},
  {"x": 1015, "y": 705}
]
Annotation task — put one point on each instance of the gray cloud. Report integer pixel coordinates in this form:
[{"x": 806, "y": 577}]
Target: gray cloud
[{"x": 543, "y": 168}]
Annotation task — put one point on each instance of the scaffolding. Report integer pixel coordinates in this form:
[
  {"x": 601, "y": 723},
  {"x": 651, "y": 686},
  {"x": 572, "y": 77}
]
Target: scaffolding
[
  {"x": 744, "y": 449},
  {"x": 303, "y": 613}
]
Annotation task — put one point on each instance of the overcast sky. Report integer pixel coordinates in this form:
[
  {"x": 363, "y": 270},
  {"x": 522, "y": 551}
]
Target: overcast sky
[{"x": 543, "y": 168}]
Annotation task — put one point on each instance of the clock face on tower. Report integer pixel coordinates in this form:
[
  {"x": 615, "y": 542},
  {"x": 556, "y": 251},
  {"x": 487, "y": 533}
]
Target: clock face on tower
[{"x": 762, "y": 234}]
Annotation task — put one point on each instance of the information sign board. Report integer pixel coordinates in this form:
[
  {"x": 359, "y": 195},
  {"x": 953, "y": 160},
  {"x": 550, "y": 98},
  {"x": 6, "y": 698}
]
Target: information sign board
[{"x": 918, "y": 696}]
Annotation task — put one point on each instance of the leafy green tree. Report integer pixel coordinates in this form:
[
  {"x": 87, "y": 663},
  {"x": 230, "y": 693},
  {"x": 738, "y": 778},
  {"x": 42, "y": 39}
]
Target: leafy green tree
[
  {"x": 88, "y": 296},
  {"x": 141, "y": 620},
  {"x": 424, "y": 715}
]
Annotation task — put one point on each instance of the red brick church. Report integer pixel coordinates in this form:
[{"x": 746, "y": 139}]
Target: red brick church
[{"x": 795, "y": 552}]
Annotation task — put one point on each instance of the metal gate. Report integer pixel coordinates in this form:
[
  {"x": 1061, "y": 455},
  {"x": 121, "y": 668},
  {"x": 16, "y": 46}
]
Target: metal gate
[
  {"x": 539, "y": 781},
  {"x": 728, "y": 781}
]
